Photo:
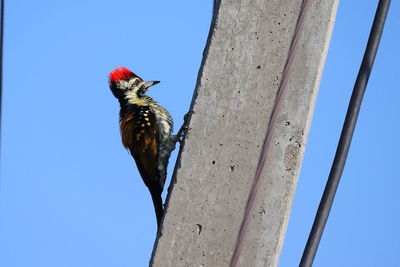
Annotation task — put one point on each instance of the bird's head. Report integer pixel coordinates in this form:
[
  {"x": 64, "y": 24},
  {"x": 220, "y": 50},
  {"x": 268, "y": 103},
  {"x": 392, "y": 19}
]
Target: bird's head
[{"x": 125, "y": 84}]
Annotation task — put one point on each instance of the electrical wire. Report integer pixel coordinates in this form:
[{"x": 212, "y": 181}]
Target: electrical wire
[
  {"x": 1, "y": 64},
  {"x": 1, "y": 78},
  {"x": 346, "y": 135}
]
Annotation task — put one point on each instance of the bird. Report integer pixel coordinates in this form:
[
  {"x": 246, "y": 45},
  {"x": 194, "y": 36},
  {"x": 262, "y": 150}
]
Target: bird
[{"x": 146, "y": 131}]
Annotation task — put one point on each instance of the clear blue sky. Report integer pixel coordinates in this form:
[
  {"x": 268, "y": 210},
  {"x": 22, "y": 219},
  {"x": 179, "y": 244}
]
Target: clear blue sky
[{"x": 71, "y": 195}]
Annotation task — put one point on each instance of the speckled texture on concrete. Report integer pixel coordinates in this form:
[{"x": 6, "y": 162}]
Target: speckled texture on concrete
[{"x": 241, "y": 71}]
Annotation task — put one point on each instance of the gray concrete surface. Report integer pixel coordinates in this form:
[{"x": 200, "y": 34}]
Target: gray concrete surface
[{"x": 237, "y": 85}]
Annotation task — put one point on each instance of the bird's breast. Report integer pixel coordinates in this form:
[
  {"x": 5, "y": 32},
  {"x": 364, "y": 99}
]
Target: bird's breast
[{"x": 164, "y": 122}]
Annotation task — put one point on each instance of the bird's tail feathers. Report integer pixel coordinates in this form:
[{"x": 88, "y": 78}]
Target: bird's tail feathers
[{"x": 158, "y": 206}]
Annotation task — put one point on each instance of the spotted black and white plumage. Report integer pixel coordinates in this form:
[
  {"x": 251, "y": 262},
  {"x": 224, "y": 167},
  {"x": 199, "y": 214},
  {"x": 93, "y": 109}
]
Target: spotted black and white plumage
[{"x": 146, "y": 131}]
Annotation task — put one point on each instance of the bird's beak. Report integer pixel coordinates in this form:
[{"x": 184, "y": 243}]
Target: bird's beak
[{"x": 148, "y": 84}]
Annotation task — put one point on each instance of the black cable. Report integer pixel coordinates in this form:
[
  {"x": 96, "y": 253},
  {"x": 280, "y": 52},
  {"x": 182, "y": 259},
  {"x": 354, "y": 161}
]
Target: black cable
[
  {"x": 346, "y": 135},
  {"x": 1, "y": 64}
]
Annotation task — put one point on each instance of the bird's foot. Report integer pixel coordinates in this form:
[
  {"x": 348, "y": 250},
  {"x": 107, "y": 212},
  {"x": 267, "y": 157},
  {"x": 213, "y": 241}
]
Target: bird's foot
[{"x": 184, "y": 128}]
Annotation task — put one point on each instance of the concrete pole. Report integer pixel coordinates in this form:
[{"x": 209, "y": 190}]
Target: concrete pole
[{"x": 237, "y": 84}]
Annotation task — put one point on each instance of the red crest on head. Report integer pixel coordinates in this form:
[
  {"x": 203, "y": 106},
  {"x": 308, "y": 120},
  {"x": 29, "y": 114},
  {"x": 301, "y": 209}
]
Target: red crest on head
[{"x": 120, "y": 73}]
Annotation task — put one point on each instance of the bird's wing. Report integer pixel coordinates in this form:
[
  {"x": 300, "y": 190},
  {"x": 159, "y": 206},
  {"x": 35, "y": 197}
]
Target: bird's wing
[{"x": 139, "y": 135}]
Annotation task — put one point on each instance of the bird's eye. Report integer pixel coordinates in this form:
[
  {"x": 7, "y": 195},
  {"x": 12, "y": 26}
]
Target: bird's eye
[{"x": 140, "y": 91}]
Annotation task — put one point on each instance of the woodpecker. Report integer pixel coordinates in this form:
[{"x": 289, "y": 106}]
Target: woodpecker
[{"x": 146, "y": 131}]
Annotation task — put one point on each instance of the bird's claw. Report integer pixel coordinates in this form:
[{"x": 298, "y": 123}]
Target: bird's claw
[
  {"x": 181, "y": 133},
  {"x": 187, "y": 116},
  {"x": 184, "y": 128}
]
